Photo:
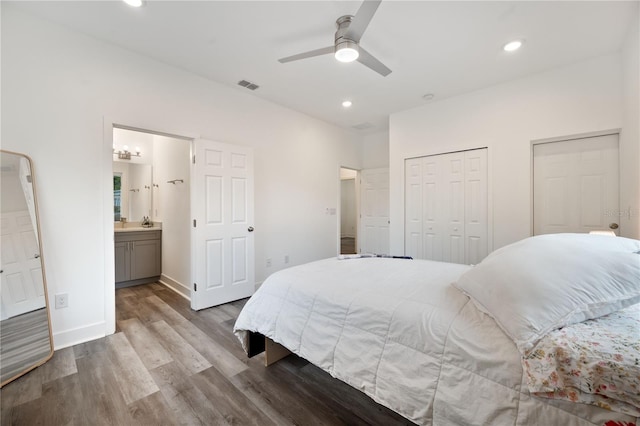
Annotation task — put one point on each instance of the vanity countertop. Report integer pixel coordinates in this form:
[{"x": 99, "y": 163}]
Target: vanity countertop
[{"x": 136, "y": 227}]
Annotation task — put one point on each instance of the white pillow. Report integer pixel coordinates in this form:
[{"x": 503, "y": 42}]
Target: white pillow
[{"x": 547, "y": 282}]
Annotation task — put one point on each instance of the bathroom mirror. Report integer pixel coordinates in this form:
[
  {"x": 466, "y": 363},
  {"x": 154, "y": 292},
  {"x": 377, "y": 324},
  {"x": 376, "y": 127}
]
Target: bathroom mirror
[
  {"x": 132, "y": 191},
  {"x": 25, "y": 328}
]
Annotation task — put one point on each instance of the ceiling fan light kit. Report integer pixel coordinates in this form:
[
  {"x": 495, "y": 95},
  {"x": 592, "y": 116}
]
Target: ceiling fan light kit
[
  {"x": 347, "y": 51},
  {"x": 346, "y": 46}
]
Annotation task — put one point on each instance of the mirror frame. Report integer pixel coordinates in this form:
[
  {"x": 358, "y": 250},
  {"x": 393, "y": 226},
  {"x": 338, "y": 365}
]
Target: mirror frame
[{"x": 44, "y": 277}]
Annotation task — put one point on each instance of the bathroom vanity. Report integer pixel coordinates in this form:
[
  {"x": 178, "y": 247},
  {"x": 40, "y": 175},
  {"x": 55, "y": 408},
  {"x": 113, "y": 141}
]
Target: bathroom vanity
[{"x": 138, "y": 255}]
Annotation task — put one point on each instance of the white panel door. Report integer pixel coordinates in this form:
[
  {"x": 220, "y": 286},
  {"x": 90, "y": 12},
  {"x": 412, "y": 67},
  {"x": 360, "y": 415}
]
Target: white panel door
[
  {"x": 413, "y": 208},
  {"x": 453, "y": 204},
  {"x": 222, "y": 238},
  {"x": 21, "y": 277},
  {"x": 576, "y": 185},
  {"x": 475, "y": 206},
  {"x": 446, "y": 203},
  {"x": 374, "y": 202},
  {"x": 432, "y": 209}
]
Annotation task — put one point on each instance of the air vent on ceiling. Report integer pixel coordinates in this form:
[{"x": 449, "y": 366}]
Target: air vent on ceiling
[
  {"x": 249, "y": 85},
  {"x": 363, "y": 126}
]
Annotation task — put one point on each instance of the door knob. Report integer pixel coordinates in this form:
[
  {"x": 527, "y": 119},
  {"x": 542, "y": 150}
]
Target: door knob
[
  {"x": 250, "y": 229},
  {"x": 613, "y": 226}
]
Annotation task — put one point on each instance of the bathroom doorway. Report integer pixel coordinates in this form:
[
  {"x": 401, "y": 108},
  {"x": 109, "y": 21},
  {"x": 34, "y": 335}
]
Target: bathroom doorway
[
  {"x": 151, "y": 196},
  {"x": 349, "y": 189}
]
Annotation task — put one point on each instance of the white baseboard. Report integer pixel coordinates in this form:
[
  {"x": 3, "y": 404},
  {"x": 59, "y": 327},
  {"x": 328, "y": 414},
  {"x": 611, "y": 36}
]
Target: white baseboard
[
  {"x": 75, "y": 336},
  {"x": 176, "y": 286}
]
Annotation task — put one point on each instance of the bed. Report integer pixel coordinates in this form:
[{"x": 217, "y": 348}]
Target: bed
[{"x": 449, "y": 344}]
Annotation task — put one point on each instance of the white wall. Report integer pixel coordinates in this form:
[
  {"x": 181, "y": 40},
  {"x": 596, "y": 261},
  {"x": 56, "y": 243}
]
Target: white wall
[
  {"x": 13, "y": 199},
  {"x": 140, "y": 199},
  {"x": 630, "y": 135},
  {"x": 58, "y": 87},
  {"x": 171, "y": 161},
  {"x": 583, "y": 97},
  {"x": 375, "y": 150}
]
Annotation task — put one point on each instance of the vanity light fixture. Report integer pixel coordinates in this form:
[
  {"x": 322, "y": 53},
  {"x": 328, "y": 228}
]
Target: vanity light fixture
[{"x": 125, "y": 154}]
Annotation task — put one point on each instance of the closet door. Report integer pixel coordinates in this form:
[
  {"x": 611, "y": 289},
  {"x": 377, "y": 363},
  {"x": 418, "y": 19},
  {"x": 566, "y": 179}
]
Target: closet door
[
  {"x": 446, "y": 207},
  {"x": 413, "y": 208},
  {"x": 476, "y": 206},
  {"x": 575, "y": 185},
  {"x": 433, "y": 211},
  {"x": 452, "y": 198}
]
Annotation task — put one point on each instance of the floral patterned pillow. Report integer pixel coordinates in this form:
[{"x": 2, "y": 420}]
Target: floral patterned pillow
[{"x": 594, "y": 362}]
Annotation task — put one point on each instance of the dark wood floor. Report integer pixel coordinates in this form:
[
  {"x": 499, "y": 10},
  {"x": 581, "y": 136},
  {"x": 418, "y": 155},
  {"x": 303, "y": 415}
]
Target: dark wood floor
[
  {"x": 347, "y": 245},
  {"x": 169, "y": 365}
]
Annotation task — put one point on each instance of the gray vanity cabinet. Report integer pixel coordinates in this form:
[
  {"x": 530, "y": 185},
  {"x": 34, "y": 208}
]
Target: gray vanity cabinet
[
  {"x": 123, "y": 261},
  {"x": 138, "y": 257}
]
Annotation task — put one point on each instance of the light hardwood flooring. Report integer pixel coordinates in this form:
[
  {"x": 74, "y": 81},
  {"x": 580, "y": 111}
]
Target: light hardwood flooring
[{"x": 169, "y": 365}]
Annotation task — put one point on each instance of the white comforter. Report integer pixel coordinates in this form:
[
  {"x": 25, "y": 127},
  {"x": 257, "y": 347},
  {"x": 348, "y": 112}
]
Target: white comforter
[{"x": 398, "y": 331}]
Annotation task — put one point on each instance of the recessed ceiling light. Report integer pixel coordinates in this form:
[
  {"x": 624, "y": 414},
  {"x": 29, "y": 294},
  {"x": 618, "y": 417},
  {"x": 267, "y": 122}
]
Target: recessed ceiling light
[
  {"x": 347, "y": 104},
  {"x": 133, "y": 3},
  {"x": 512, "y": 46}
]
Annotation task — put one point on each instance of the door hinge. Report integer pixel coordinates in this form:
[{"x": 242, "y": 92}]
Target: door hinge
[
  {"x": 194, "y": 223},
  {"x": 194, "y": 159},
  {"x": 195, "y": 287}
]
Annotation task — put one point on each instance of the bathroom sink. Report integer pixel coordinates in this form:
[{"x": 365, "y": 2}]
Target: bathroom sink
[{"x": 137, "y": 228}]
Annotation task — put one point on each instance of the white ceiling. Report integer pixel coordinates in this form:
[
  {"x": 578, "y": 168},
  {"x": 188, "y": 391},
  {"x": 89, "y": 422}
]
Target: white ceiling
[{"x": 444, "y": 48}]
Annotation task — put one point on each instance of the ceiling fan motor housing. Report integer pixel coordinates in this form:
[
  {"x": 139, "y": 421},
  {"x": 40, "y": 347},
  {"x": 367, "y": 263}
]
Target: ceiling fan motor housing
[{"x": 343, "y": 23}]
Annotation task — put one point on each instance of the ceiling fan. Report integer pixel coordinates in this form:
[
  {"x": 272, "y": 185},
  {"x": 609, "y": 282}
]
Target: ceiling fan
[{"x": 346, "y": 46}]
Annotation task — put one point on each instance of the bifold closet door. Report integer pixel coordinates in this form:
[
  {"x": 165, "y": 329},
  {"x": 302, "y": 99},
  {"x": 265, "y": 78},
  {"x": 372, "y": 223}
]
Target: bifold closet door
[
  {"x": 452, "y": 203},
  {"x": 446, "y": 207},
  {"x": 476, "y": 206},
  {"x": 413, "y": 222}
]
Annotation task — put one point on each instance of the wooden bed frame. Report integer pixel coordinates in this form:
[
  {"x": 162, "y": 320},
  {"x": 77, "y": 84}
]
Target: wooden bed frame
[{"x": 273, "y": 352}]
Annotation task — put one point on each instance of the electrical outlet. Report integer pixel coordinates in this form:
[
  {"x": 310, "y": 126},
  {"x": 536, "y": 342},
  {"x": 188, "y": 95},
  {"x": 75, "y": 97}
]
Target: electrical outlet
[
  {"x": 269, "y": 263},
  {"x": 286, "y": 259},
  {"x": 62, "y": 300}
]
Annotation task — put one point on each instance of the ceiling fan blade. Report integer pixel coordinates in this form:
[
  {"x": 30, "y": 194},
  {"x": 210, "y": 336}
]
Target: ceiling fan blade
[
  {"x": 361, "y": 20},
  {"x": 310, "y": 54},
  {"x": 370, "y": 61}
]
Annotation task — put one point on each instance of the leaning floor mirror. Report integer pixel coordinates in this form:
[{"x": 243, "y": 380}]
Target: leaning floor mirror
[{"x": 25, "y": 326}]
